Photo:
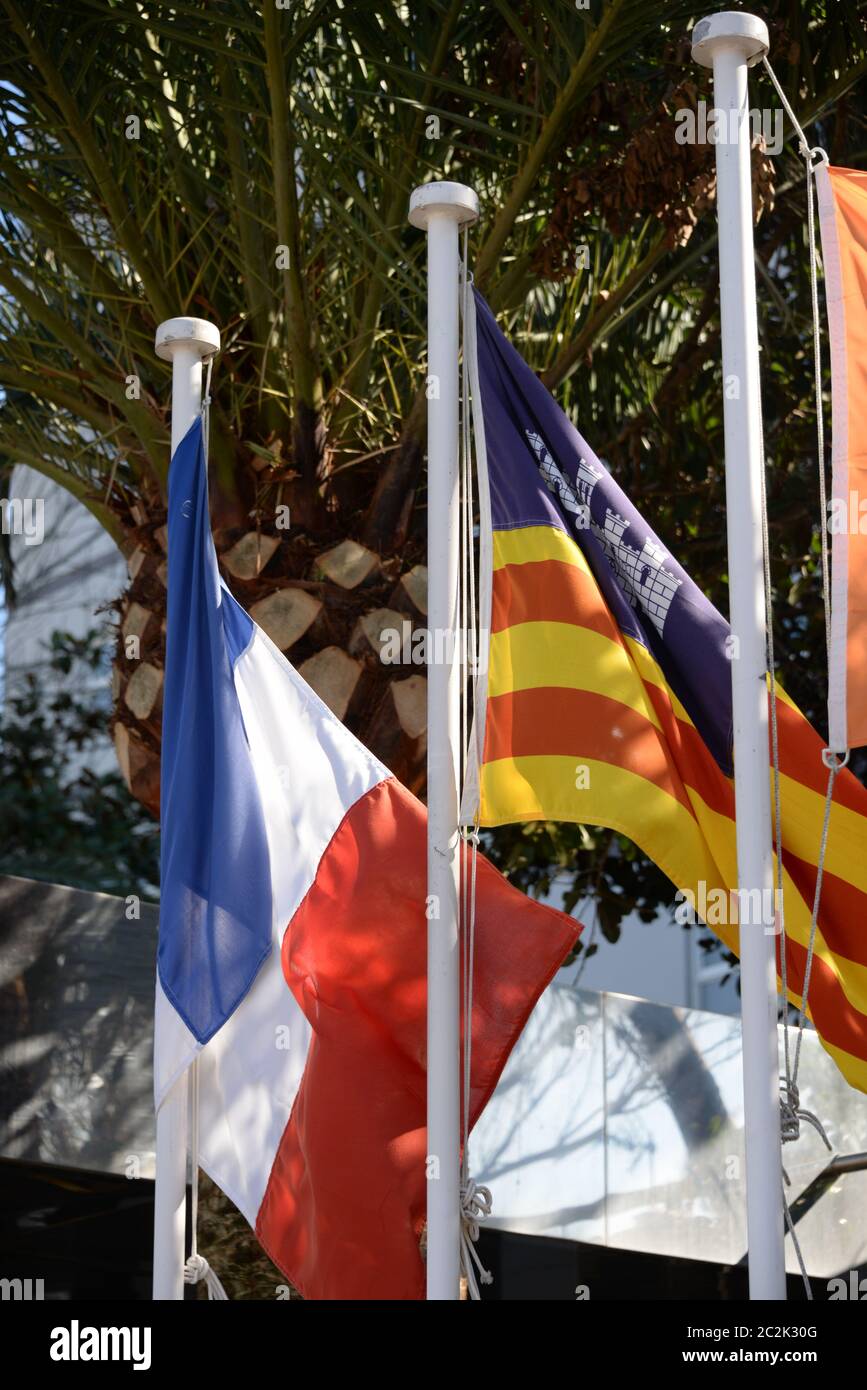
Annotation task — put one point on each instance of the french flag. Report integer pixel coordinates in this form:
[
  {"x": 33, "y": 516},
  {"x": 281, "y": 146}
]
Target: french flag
[{"x": 292, "y": 950}]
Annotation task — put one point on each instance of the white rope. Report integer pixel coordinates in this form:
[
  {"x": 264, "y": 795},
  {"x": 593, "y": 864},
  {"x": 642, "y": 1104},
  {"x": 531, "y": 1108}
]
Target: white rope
[
  {"x": 475, "y": 1200},
  {"x": 813, "y": 156},
  {"x": 471, "y": 797},
  {"x": 466, "y": 521},
  {"x": 790, "y": 1226},
  {"x": 791, "y": 1111},
  {"x": 820, "y": 409},
  {"x": 476, "y": 1204},
  {"x": 469, "y": 849},
  {"x": 805, "y": 148},
  {"x": 466, "y": 511},
  {"x": 197, "y": 1269},
  {"x": 206, "y": 404},
  {"x": 779, "y": 904},
  {"x": 834, "y": 765}
]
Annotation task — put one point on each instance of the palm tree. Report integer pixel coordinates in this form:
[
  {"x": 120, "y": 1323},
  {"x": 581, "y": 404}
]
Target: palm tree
[{"x": 252, "y": 165}]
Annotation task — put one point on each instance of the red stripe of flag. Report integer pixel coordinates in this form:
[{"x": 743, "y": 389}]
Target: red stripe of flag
[{"x": 345, "y": 1204}]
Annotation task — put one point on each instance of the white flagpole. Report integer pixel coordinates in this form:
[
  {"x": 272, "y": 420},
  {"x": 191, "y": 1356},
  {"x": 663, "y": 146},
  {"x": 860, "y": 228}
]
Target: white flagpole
[
  {"x": 440, "y": 209},
  {"x": 185, "y": 343},
  {"x": 730, "y": 43}
]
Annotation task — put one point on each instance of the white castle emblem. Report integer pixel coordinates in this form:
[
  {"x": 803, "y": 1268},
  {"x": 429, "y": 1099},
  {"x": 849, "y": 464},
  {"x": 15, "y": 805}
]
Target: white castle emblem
[{"x": 645, "y": 581}]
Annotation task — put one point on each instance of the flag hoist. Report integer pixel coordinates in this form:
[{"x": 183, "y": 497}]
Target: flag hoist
[
  {"x": 186, "y": 343},
  {"x": 441, "y": 209},
  {"x": 525, "y": 707},
  {"x": 731, "y": 43},
  {"x": 291, "y": 1002}
]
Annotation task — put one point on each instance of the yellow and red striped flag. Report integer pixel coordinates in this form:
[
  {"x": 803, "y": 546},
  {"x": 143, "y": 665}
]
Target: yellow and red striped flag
[
  {"x": 843, "y": 221},
  {"x": 604, "y": 696}
]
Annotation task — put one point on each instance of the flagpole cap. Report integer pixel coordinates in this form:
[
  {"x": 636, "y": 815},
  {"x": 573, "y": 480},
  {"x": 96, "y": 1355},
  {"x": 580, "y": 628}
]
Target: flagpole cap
[
  {"x": 200, "y": 335},
  {"x": 726, "y": 28},
  {"x": 455, "y": 199}
]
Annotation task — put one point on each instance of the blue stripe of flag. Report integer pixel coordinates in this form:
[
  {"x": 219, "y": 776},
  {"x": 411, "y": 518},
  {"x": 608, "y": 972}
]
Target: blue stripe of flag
[{"x": 215, "y": 906}]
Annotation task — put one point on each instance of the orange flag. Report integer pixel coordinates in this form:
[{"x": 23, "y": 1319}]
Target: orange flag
[{"x": 843, "y": 221}]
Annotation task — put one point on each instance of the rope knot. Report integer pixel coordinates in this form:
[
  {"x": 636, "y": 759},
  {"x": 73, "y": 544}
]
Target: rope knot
[
  {"x": 790, "y": 1125},
  {"x": 835, "y": 760},
  {"x": 792, "y": 1113},
  {"x": 476, "y": 1205},
  {"x": 196, "y": 1270}
]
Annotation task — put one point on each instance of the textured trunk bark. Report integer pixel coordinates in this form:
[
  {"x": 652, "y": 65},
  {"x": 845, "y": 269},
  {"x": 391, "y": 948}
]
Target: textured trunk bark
[
  {"x": 386, "y": 522},
  {"x": 326, "y": 601}
]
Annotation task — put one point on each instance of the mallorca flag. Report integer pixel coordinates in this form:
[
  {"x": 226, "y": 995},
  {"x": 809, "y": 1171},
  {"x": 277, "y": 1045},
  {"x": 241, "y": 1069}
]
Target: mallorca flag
[
  {"x": 605, "y": 695},
  {"x": 843, "y": 220},
  {"x": 293, "y": 935}
]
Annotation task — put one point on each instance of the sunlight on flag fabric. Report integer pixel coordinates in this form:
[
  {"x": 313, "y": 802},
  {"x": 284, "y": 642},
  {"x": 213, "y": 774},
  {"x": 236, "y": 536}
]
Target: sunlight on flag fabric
[
  {"x": 605, "y": 696},
  {"x": 292, "y": 956}
]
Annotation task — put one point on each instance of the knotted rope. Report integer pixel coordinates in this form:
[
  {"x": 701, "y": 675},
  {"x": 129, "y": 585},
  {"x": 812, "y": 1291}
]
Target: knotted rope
[{"x": 476, "y": 1203}]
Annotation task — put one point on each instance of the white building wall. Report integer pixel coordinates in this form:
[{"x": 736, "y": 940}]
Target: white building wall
[
  {"x": 659, "y": 960},
  {"x": 61, "y": 584}
]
